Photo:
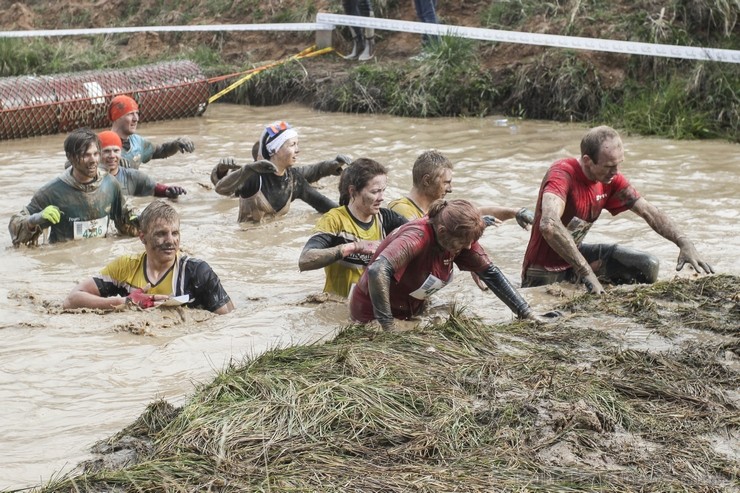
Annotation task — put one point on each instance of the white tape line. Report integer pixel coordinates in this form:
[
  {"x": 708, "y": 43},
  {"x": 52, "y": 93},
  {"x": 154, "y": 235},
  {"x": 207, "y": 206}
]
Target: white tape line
[
  {"x": 574, "y": 42},
  {"x": 306, "y": 26}
]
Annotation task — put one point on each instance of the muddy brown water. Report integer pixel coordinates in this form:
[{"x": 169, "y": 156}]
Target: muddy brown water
[{"x": 70, "y": 379}]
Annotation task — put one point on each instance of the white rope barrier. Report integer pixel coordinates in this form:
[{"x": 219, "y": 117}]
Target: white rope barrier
[
  {"x": 306, "y": 26},
  {"x": 327, "y": 22},
  {"x": 571, "y": 42}
]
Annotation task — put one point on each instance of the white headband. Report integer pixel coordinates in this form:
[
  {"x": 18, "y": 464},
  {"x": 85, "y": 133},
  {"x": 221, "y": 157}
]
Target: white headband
[{"x": 275, "y": 145}]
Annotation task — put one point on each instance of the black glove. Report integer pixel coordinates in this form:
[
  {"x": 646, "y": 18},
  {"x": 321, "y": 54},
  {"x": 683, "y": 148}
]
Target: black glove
[
  {"x": 185, "y": 144},
  {"x": 174, "y": 191},
  {"x": 491, "y": 221},
  {"x": 524, "y": 218}
]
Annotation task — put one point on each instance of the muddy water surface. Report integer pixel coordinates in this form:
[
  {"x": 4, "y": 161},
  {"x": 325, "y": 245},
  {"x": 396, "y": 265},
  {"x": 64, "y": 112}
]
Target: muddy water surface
[{"x": 70, "y": 379}]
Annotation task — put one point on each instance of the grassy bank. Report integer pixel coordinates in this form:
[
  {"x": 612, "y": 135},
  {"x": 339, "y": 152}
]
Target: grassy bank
[
  {"x": 462, "y": 406},
  {"x": 645, "y": 95}
]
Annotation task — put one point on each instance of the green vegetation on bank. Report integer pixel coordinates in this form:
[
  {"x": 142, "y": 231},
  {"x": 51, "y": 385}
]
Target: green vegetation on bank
[
  {"x": 653, "y": 96},
  {"x": 461, "y": 406}
]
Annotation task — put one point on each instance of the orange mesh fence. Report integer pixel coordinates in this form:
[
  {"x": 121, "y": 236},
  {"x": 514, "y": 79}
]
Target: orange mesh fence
[{"x": 60, "y": 103}]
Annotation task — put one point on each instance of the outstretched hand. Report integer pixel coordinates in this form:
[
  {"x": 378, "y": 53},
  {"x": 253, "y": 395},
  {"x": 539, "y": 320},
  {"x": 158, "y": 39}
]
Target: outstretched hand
[
  {"x": 491, "y": 221},
  {"x": 341, "y": 160},
  {"x": 263, "y": 166},
  {"x": 174, "y": 191},
  {"x": 524, "y": 218},
  {"x": 185, "y": 144},
  {"x": 227, "y": 164},
  {"x": 689, "y": 254}
]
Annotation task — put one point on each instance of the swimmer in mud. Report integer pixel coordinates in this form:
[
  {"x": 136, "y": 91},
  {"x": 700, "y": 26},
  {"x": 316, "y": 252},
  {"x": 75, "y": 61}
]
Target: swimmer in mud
[
  {"x": 124, "y": 113},
  {"x": 268, "y": 186},
  {"x": 154, "y": 276},
  {"x": 417, "y": 260},
  {"x": 346, "y": 237},
  {"x": 78, "y": 204},
  {"x": 572, "y": 195},
  {"x": 133, "y": 182}
]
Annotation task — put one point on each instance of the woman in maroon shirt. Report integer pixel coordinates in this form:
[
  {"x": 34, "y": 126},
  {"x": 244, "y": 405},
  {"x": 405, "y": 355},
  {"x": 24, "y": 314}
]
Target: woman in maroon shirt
[{"x": 416, "y": 260}]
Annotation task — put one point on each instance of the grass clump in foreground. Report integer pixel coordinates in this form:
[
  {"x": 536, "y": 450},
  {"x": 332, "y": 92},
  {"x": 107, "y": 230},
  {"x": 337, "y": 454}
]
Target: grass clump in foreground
[{"x": 461, "y": 406}]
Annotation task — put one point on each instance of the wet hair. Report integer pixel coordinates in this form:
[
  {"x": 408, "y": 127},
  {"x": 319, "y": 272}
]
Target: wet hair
[
  {"x": 593, "y": 140},
  {"x": 460, "y": 218},
  {"x": 79, "y": 141},
  {"x": 431, "y": 163},
  {"x": 358, "y": 175},
  {"x": 156, "y": 210}
]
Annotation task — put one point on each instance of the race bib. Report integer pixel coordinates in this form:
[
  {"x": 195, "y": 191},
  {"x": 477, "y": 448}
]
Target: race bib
[
  {"x": 431, "y": 285},
  {"x": 94, "y": 228}
]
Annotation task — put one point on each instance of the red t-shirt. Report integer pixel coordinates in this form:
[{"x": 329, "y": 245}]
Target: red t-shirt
[
  {"x": 421, "y": 267},
  {"x": 584, "y": 201}
]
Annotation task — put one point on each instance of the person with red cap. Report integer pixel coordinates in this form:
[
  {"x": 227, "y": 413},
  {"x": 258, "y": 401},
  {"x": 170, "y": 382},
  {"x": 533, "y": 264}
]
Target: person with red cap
[
  {"x": 124, "y": 113},
  {"x": 78, "y": 204},
  {"x": 133, "y": 181}
]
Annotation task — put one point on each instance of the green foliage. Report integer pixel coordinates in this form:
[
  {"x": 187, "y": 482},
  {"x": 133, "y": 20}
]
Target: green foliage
[
  {"x": 283, "y": 84},
  {"x": 510, "y": 14},
  {"x": 445, "y": 80},
  {"x": 562, "y": 86},
  {"x": 704, "y": 104}
]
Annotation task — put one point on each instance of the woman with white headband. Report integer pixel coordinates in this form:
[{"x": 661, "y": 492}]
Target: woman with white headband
[{"x": 268, "y": 186}]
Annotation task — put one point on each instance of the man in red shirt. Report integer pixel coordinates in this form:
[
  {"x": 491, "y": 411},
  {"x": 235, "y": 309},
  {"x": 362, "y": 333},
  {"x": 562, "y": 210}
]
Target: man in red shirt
[{"x": 572, "y": 196}]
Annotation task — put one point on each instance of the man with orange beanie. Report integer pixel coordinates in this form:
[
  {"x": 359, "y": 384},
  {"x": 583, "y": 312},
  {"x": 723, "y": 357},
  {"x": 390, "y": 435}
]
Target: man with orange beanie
[
  {"x": 133, "y": 182},
  {"x": 124, "y": 113}
]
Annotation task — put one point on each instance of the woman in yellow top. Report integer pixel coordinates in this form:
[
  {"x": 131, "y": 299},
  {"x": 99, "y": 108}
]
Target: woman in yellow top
[{"x": 346, "y": 237}]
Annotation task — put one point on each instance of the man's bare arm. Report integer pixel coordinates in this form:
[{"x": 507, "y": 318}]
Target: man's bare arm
[
  {"x": 560, "y": 239},
  {"x": 665, "y": 227},
  {"x": 87, "y": 295}
]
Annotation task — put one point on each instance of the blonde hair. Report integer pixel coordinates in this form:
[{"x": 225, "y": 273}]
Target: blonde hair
[{"x": 156, "y": 210}]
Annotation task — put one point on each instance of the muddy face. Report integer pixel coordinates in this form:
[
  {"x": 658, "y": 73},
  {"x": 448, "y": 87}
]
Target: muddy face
[
  {"x": 606, "y": 167},
  {"x": 85, "y": 166},
  {"x": 367, "y": 201},
  {"x": 287, "y": 155},
  {"x": 441, "y": 185},
  {"x": 162, "y": 241}
]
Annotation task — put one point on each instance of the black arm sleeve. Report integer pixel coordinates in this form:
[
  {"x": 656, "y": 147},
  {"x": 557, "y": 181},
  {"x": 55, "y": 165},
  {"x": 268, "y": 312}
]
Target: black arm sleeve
[
  {"x": 311, "y": 196},
  {"x": 323, "y": 240},
  {"x": 391, "y": 220},
  {"x": 379, "y": 276},
  {"x": 315, "y": 172},
  {"x": 503, "y": 289},
  {"x": 165, "y": 150},
  {"x": 205, "y": 288}
]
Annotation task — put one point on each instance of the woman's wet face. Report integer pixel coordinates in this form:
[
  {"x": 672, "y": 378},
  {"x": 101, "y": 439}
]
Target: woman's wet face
[
  {"x": 451, "y": 242},
  {"x": 287, "y": 155},
  {"x": 369, "y": 199}
]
